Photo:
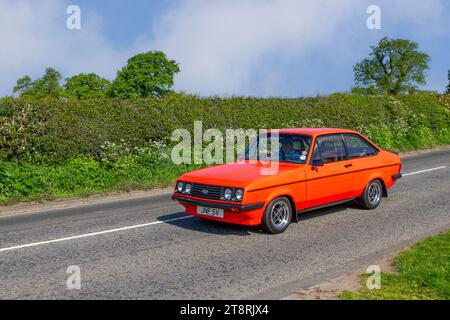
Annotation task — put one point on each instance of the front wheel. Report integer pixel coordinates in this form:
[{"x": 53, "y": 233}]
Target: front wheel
[
  {"x": 277, "y": 216},
  {"x": 372, "y": 195}
]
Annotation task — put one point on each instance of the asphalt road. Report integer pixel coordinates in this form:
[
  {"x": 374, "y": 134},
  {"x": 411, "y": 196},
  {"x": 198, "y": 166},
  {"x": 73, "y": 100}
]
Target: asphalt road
[{"x": 147, "y": 249}]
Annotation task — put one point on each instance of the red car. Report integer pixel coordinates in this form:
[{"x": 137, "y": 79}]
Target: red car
[{"x": 316, "y": 168}]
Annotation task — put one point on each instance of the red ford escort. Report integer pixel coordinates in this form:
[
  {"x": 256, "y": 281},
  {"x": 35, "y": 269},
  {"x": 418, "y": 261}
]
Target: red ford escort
[{"x": 316, "y": 168}]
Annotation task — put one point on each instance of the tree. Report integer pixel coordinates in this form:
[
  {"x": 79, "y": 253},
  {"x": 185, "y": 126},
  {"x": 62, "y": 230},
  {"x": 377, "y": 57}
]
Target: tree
[
  {"x": 146, "y": 74},
  {"x": 394, "y": 66},
  {"x": 85, "y": 86},
  {"x": 23, "y": 85},
  {"x": 48, "y": 85}
]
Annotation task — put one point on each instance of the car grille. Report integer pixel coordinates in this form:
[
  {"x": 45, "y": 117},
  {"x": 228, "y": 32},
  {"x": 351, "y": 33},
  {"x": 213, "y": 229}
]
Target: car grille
[{"x": 206, "y": 191}]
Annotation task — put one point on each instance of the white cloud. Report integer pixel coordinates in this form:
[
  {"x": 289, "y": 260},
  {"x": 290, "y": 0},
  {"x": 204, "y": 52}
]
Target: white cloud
[
  {"x": 222, "y": 45},
  {"x": 250, "y": 47},
  {"x": 34, "y": 36}
]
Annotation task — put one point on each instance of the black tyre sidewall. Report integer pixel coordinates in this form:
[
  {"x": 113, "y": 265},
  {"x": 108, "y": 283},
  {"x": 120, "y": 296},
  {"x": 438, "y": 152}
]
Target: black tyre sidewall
[
  {"x": 365, "y": 198},
  {"x": 267, "y": 224}
]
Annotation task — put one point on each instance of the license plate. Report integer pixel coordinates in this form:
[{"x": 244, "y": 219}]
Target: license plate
[{"x": 212, "y": 212}]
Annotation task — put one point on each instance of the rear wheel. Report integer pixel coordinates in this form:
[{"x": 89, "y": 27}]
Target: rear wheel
[
  {"x": 372, "y": 195},
  {"x": 277, "y": 216}
]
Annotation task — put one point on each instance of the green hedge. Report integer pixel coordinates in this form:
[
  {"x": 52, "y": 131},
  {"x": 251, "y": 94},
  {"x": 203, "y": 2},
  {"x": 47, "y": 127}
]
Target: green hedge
[
  {"x": 51, "y": 148},
  {"x": 62, "y": 130}
]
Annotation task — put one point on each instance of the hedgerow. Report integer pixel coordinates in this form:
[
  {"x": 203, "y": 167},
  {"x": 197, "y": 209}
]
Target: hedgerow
[
  {"x": 55, "y": 130},
  {"x": 51, "y": 147}
]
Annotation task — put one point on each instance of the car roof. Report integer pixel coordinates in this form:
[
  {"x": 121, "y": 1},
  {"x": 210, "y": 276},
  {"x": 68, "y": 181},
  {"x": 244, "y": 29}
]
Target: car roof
[{"x": 314, "y": 131}]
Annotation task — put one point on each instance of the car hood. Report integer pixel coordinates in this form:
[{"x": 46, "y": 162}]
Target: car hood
[{"x": 247, "y": 175}]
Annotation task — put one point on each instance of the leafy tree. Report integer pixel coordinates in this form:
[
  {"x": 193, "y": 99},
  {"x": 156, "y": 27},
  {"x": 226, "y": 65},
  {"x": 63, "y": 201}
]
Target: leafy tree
[
  {"x": 394, "y": 66},
  {"x": 48, "y": 85},
  {"x": 85, "y": 86},
  {"x": 146, "y": 74},
  {"x": 23, "y": 85}
]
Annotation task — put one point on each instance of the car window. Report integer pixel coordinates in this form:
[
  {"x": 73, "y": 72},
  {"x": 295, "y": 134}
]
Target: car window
[
  {"x": 316, "y": 153},
  {"x": 357, "y": 147},
  {"x": 332, "y": 148},
  {"x": 292, "y": 148}
]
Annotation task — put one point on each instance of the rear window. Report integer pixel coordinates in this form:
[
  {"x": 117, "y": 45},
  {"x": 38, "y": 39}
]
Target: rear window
[{"x": 357, "y": 147}]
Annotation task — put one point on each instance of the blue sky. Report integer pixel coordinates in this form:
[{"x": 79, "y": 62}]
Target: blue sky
[{"x": 225, "y": 47}]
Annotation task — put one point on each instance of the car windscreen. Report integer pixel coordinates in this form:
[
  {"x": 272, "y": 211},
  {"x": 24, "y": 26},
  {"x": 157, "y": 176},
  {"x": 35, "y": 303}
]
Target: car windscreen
[{"x": 283, "y": 147}]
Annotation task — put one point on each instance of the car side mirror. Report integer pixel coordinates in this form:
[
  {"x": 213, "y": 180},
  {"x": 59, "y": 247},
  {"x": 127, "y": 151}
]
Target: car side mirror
[{"x": 317, "y": 163}]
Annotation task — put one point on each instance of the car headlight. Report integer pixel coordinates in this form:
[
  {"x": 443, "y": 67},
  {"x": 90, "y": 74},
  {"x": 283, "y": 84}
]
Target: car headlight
[
  {"x": 187, "y": 188},
  {"x": 180, "y": 186},
  {"x": 239, "y": 194},
  {"x": 228, "y": 194}
]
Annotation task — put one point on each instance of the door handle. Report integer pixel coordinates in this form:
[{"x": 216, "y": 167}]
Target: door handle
[{"x": 348, "y": 165}]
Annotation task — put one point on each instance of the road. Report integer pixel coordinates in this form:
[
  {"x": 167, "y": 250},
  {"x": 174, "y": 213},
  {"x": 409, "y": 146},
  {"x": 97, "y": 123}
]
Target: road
[{"x": 146, "y": 248}]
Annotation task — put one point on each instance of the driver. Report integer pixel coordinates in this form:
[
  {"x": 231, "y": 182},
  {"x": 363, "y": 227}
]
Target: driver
[{"x": 288, "y": 152}]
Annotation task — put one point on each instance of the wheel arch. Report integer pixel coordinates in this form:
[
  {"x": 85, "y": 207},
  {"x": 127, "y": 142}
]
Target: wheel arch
[
  {"x": 288, "y": 195},
  {"x": 383, "y": 184}
]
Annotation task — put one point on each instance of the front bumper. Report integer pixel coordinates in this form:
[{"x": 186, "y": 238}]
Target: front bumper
[
  {"x": 243, "y": 214},
  {"x": 225, "y": 206}
]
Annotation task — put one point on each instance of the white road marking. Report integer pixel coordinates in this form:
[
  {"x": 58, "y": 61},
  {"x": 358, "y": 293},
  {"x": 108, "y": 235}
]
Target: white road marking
[
  {"x": 34, "y": 244},
  {"x": 422, "y": 171}
]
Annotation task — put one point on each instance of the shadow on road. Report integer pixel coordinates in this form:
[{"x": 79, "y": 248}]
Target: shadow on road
[
  {"x": 326, "y": 211},
  {"x": 208, "y": 226},
  {"x": 221, "y": 228}
]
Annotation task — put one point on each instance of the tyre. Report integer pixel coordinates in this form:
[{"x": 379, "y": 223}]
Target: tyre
[
  {"x": 372, "y": 195},
  {"x": 277, "y": 216}
]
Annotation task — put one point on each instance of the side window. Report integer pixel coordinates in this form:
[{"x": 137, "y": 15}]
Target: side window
[
  {"x": 332, "y": 148},
  {"x": 316, "y": 153},
  {"x": 357, "y": 147}
]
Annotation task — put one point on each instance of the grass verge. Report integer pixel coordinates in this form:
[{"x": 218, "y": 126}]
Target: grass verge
[
  {"x": 424, "y": 273},
  {"x": 83, "y": 177}
]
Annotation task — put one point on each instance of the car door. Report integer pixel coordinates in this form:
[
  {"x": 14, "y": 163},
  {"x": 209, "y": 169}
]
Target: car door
[
  {"x": 364, "y": 160},
  {"x": 331, "y": 182}
]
